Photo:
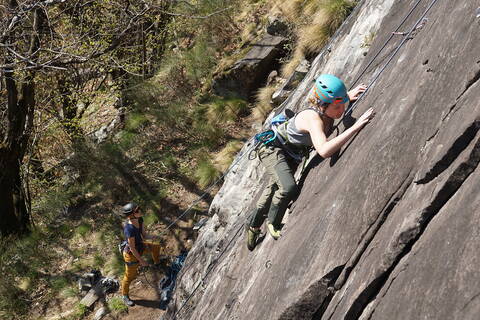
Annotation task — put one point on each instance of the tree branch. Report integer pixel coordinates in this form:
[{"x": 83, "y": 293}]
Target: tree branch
[
  {"x": 16, "y": 18},
  {"x": 194, "y": 17}
]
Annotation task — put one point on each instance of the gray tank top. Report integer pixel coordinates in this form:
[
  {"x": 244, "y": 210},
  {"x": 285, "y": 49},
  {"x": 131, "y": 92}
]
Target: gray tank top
[
  {"x": 297, "y": 138},
  {"x": 294, "y": 136}
]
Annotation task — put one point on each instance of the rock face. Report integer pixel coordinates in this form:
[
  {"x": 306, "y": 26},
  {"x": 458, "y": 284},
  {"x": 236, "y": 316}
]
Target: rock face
[
  {"x": 388, "y": 228},
  {"x": 248, "y": 74},
  {"x": 291, "y": 83}
]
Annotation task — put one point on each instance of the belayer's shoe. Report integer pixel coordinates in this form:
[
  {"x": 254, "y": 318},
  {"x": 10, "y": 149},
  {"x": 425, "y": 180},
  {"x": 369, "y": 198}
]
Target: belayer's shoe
[
  {"x": 127, "y": 301},
  {"x": 273, "y": 232},
  {"x": 252, "y": 237}
]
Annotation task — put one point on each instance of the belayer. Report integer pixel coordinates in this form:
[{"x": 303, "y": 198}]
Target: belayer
[
  {"x": 134, "y": 247},
  {"x": 281, "y": 155}
]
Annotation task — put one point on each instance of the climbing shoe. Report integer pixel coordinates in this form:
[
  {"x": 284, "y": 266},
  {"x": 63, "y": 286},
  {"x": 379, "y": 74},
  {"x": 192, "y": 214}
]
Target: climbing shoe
[
  {"x": 127, "y": 301},
  {"x": 273, "y": 232},
  {"x": 252, "y": 237}
]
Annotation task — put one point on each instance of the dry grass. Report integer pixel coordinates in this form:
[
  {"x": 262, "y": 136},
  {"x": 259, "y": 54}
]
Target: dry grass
[
  {"x": 206, "y": 173},
  {"x": 316, "y": 21},
  {"x": 225, "y": 157},
  {"x": 264, "y": 103},
  {"x": 289, "y": 67},
  {"x": 225, "y": 110}
]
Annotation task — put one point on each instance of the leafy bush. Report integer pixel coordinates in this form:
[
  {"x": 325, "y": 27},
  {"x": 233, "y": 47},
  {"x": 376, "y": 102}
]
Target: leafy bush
[
  {"x": 209, "y": 135},
  {"x": 150, "y": 219},
  {"x": 98, "y": 260},
  {"x": 59, "y": 283}
]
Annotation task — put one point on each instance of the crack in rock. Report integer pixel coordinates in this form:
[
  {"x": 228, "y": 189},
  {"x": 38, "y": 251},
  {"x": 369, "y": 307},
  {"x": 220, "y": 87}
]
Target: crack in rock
[
  {"x": 457, "y": 147},
  {"x": 313, "y": 299},
  {"x": 372, "y": 231},
  {"x": 470, "y": 83},
  {"x": 449, "y": 111},
  {"x": 404, "y": 245}
]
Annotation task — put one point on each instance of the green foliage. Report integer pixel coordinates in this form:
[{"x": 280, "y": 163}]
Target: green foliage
[
  {"x": 80, "y": 311},
  {"x": 200, "y": 60},
  {"x": 21, "y": 258},
  {"x": 226, "y": 110},
  {"x": 127, "y": 140},
  {"x": 210, "y": 135},
  {"x": 206, "y": 173},
  {"x": 70, "y": 292},
  {"x": 58, "y": 283},
  {"x": 115, "y": 265},
  {"x": 98, "y": 260},
  {"x": 117, "y": 306},
  {"x": 135, "y": 121},
  {"x": 150, "y": 219},
  {"x": 83, "y": 230},
  {"x": 13, "y": 302}
]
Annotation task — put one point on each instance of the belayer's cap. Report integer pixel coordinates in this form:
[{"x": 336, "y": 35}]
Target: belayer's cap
[
  {"x": 129, "y": 208},
  {"x": 330, "y": 89}
]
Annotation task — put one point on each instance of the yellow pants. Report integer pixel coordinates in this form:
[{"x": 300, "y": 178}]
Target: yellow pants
[{"x": 131, "y": 265}]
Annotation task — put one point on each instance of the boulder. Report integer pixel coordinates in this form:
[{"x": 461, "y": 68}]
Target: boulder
[
  {"x": 100, "y": 313},
  {"x": 276, "y": 26},
  {"x": 251, "y": 72}
]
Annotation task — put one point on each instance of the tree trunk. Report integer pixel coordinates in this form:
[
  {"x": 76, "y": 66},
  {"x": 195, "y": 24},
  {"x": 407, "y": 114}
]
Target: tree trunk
[
  {"x": 15, "y": 218},
  {"x": 14, "y": 215}
]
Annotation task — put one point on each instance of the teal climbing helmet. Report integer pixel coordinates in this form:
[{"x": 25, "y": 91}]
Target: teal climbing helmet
[{"x": 330, "y": 89}]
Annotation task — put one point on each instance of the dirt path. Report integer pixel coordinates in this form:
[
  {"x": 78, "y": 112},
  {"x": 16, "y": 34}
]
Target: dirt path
[{"x": 145, "y": 297}]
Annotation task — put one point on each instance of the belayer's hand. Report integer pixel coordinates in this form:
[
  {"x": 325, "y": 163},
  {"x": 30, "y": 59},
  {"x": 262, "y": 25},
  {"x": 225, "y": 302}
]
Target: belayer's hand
[
  {"x": 364, "y": 119},
  {"x": 355, "y": 93}
]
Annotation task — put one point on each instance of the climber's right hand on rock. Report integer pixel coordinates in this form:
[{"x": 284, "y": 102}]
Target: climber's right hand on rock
[{"x": 364, "y": 119}]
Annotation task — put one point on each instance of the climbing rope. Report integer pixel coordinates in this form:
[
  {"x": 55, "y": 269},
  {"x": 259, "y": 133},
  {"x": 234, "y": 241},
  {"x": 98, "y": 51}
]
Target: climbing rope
[
  {"x": 385, "y": 44},
  {"x": 406, "y": 37},
  {"x": 213, "y": 184},
  {"x": 349, "y": 110}
]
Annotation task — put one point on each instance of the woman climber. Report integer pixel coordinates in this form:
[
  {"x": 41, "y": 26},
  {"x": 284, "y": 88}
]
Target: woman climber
[{"x": 307, "y": 128}]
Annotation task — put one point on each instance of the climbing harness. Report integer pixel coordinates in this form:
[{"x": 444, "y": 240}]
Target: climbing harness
[
  {"x": 269, "y": 135},
  {"x": 277, "y": 136}
]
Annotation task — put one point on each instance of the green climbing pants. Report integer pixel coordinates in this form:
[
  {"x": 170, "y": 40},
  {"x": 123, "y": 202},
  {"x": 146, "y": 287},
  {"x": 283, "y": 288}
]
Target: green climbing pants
[{"x": 280, "y": 189}]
